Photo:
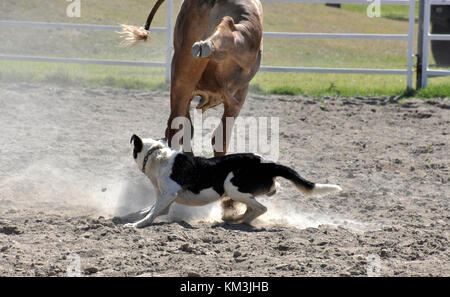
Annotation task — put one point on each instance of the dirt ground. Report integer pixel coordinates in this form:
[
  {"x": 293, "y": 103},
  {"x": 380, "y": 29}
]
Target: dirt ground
[{"x": 66, "y": 169}]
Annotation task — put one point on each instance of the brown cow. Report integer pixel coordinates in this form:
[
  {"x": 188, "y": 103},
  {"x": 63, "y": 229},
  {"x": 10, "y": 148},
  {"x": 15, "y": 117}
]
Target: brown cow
[{"x": 217, "y": 51}]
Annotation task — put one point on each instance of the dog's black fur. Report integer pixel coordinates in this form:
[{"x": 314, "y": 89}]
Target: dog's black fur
[{"x": 251, "y": 174}]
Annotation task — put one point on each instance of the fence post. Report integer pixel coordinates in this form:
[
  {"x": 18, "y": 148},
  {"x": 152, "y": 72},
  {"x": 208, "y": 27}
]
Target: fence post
[
  {"x": 419, "y": 46},
  {"x": 412, "y": 18},
  {"x": 425, "y": 41},
  {"x": 169, "y": 39}
]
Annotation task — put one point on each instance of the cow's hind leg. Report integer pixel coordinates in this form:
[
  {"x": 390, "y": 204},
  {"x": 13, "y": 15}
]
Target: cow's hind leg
[
  {"x": 218, "y": 43},
  {"x": 222, "y": 135},
  {"x": 230, "y": 39}
]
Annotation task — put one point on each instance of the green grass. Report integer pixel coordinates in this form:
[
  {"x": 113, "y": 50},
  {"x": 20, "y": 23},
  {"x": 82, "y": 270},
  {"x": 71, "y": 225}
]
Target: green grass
[
  {"x": 282, "y": 52},
  {"x": 436, "y": 89},
  {"x": 329, "y": 84},
  {"x": 82, "y": 75}
]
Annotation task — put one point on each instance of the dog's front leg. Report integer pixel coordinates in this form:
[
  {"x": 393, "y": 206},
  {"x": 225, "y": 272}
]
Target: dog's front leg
[
  {"x": 167, "y": 193},
  {"x": 133, "y": 217},
  {"x": 162, "y": 204}
]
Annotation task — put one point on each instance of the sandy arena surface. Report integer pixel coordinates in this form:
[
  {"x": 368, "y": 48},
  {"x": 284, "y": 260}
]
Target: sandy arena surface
[{"x": 66, "y": 169}]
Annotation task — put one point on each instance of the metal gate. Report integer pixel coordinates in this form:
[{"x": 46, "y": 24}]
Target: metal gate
[{"x": 426, "y": 38}]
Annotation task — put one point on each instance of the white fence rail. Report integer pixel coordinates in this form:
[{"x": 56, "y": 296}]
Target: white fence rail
[
  {"x": 427, "y": 37},
  {"x": 167, "y": 30},
  {"x": 408, "y": 36}
]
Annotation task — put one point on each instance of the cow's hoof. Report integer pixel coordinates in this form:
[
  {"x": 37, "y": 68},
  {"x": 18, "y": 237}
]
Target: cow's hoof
[
  {"x": 202, "y": 49},
  {"x": 197, "y": 49}
]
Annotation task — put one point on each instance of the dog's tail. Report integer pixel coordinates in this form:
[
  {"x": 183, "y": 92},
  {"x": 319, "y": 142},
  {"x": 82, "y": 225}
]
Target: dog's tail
[
  {"x": 132, "y": 35},
  {"x": 307, "y": 187}
]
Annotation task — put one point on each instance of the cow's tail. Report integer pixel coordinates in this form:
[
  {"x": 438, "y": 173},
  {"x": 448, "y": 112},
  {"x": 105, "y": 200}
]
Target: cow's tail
[
  {"x": 132, "y": 35},
  {"x": 307, "y": 187}
]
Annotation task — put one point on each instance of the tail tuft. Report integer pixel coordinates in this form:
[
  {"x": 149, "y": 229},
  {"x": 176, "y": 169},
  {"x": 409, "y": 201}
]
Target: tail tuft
[
  {"x": 321, "y": 189},
  {"x": 132, "y": 35}
]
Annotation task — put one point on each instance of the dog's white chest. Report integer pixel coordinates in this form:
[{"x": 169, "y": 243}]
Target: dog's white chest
[{"x": 204, "y": 197}]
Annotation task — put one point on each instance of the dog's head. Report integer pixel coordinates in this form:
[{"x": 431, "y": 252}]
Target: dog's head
[{"x": 142, "y": 148}]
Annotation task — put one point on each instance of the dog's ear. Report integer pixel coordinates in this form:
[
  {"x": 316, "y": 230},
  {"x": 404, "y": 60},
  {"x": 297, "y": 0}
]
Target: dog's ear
[{"x": 138, "y": 145}]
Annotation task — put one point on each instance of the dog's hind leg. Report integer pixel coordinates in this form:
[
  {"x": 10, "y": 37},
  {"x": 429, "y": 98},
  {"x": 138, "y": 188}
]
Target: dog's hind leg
[
  {"x": 240, "y": 218},
  {"x": 254, "y": 210},
  {"x": 230, "y": 210}
]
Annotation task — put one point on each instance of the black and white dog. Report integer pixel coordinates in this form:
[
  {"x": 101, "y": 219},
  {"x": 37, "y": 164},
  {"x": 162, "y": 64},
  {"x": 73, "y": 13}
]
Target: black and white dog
[{"x": 197, "y": 181}]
